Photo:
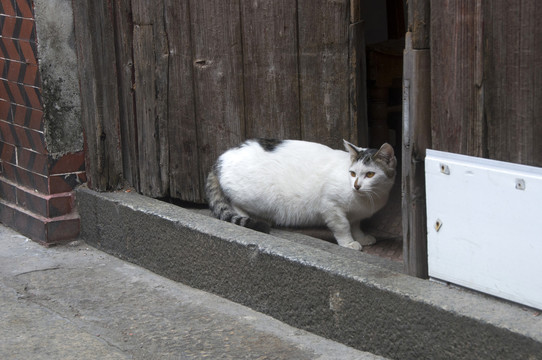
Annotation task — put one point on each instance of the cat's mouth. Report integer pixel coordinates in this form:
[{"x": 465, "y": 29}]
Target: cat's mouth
[{"x": 363, "y": 191}]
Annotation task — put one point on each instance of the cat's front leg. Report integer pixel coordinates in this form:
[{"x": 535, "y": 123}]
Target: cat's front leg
[
  {"x": 359, "y": 236},
  {"x": 340, "y": 226}
]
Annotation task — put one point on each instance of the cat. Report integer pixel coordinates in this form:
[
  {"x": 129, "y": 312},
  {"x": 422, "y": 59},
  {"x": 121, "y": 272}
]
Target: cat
[{"x": 300, "y": 183}]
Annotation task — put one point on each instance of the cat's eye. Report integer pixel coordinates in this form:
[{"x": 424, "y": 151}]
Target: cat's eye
[
  {"x": 369, "y": 174},
  {"x": 353, "y": 174}
]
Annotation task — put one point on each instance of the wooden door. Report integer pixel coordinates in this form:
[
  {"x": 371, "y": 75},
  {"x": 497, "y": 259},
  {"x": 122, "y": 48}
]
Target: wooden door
[{"x": 197, "y": 77}]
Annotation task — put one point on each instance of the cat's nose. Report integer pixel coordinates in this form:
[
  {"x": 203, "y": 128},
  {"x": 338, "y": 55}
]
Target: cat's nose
[{"x": 357, "y": 186}]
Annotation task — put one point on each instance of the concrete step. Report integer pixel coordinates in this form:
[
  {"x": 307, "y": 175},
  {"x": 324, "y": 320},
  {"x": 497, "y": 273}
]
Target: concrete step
[{"x": 350, "y": 297}]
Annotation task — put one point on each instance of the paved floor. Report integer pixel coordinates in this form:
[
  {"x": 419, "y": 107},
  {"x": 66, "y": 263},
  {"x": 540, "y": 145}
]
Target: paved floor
[
  {"x": 74, "y": 302},
  {"x": 391, "y": 249}
]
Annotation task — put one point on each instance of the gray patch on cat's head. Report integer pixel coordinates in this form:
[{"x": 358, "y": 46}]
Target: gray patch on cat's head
[
  {"x": 269, "y": 144},
  {"x": 358, "y": 153},
  {"x": 384, "y": 157},
  {"x": 366, "y": 156}
]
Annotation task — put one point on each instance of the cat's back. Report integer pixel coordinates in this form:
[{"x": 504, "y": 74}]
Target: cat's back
[{"x": 278, "y": 156}]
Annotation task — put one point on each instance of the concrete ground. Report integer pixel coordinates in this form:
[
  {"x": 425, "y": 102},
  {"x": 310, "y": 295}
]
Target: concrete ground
[{"x": 75, "y": 302}]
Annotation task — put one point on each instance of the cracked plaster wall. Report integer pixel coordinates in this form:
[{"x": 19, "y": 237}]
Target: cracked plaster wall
[{"x": 58, "y": 69}]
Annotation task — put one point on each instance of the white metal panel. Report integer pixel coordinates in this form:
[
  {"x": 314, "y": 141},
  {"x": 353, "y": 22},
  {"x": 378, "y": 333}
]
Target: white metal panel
[{"x": 484, "y": 225}]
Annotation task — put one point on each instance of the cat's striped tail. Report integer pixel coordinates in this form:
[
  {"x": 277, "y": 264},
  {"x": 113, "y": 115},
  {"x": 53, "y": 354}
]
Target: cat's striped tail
[{"x": 221, "y": 206}]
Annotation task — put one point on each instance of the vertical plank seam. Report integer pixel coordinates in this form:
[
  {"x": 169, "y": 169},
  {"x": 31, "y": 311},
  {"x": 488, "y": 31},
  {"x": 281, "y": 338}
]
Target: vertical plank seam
[
  {"x": 479, "y": 78},
  {"x": 194, "y": 90},
  {"x": 167, "y": 190},
  {"x": 243, "y": 126},
  {"x": 299, "y": 85},
  {"x": 135, "y": 161},
  {"x": 351, "y": 76}
]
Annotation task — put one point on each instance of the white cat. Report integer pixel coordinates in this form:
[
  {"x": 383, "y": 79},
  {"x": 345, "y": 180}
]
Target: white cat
[{"x": 300, "y": 183}]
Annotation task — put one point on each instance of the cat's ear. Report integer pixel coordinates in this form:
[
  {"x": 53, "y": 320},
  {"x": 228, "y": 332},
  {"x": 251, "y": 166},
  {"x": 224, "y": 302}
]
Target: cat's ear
[
  {"x": 352, "y": 149},
  {"x": 387, "y": 154}
]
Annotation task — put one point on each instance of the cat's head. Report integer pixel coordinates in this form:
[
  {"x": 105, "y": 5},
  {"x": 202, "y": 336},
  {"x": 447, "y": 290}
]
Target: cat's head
[{"x": 371, "y": 169}]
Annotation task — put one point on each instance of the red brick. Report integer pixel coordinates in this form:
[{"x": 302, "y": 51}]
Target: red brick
[
  {"x": 26, "y": 178},
  {"x": 4, "y": 91},
  {"x": 68, "y": 163},
  {"x": 61, "y": 204},
  {"x": 32, "y": 202},
  {"x": 7, "y": 191},
  {"x": 8, "y": 25},
  {"x": 33, "y": 96},
  {"x": 32, "y": 161},
  {"x": 30, "y": 139},
  {"x": 49, "y": 206},
  {"x": 21, "y": 139},
  {"x": 27, "y": 117},
  {"x": 19, "y": 114},
  {"x": 16, "y": 95},
  {"x": 28, "y": 30},
  {"x": 28, "y": 50},
  {"x": 7, "y": 134},
  {"x": 7, "y": 153},
  {"x": 35, "y": 120},
  {"x": 5, "y": 110},
  {"x": 31, "y": 75},
  {"x": 38, "y": 140},
  {"x": 39, "y": 228},
  {"x": 14, "y": 69},
  {"x": 65, "y": 182},
  {"x": 11, "y": 47},
  {"x": 7, "y": 214},
  {"x": 62, "y": 229},
  {"x": 24, "y": 8},
  {"x": 3, "y": 67},
  {"x": 19, "y": 73},
  {"x": 8, "y": 7}
]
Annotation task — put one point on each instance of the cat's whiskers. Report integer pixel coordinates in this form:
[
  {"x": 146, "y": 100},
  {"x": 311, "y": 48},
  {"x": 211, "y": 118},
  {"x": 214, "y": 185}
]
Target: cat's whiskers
[{"x": 371, "y": 196}]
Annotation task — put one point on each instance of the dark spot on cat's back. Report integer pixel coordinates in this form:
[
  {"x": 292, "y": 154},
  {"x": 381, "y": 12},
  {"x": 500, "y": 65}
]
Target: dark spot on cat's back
[{"x": 269, "y": 144}]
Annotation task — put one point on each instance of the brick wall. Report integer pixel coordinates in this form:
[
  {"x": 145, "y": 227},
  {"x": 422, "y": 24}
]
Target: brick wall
[{"x": 36, "y": 185}]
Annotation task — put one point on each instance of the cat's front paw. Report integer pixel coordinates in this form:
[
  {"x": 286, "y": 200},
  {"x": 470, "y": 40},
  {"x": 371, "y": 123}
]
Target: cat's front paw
[
  {"x": 368, "y": 240},
  {"x": 353, "y": 245}
]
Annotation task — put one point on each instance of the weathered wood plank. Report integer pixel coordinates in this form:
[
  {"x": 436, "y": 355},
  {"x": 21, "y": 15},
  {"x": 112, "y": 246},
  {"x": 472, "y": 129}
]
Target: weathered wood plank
[
  {"x": 147, "y": 134},
  {"x": 513, "y": 81},
  {"x": 419, "y": 21},
  {"x": 150, "y": 73},
  {"x": 99, "y": 98},
  {"x": 416, "y": 132},
  {"x": 125, "y": 72},
  {"x": 456, "y": 111},
  {"x": 161, "y": 88},
  {"x": 218, "y": 78},
  {"x": 185, "y": 182},
  {"x": 416, "y": 139},
  {"x": 149, "y": 114},
  {"x": 271, "y": 88},
  {"x": 324, "y": 72}
]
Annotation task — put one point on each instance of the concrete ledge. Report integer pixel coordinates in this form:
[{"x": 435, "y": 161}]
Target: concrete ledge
[{"x": 336, "y": 294}]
